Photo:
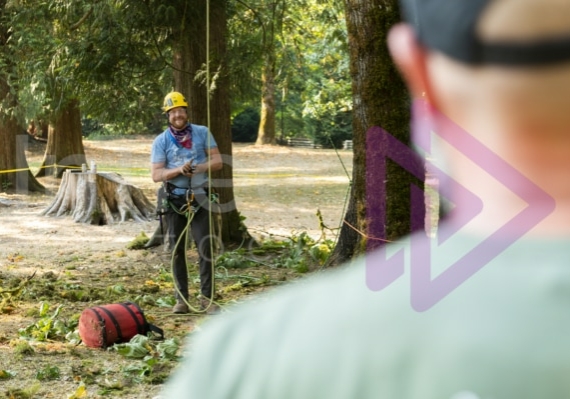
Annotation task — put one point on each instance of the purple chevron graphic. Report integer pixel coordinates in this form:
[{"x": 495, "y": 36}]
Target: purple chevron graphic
[{"x": 426, "y": 290}]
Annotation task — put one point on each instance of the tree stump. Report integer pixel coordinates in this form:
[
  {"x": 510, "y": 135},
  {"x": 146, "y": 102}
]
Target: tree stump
[{"x": 99, "y": 198}]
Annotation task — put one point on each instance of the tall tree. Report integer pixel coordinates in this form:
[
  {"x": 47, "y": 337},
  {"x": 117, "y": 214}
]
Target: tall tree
[
  {"x": 272, "y": 27},
  {"x": 380, "y": 100},
  {"x": 47, "y": 46},
  {"x": 91, "y": 53},
  {"x": 191, "y": 68},
  {"x": 15, "y": 174},
  {"x": 258, "y": 25},
  {"x": 296, "y": 54}
]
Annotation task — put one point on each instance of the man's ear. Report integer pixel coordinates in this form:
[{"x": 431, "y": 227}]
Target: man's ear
[{"x": 410, "y": 58}]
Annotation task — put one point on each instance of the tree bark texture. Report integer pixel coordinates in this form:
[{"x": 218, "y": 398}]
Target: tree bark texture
[
  {"x": 65, "y": 142},
  {"x": 190, "y": 61},
  {"x": 99, "y": 199},
  {"x": 380, "y": 100},
  {"x": 15, "y": 174},
  {"x": 266, "y": 131}
]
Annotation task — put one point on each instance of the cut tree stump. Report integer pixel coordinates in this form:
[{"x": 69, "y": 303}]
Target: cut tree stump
[{"x": 99, "y": 198}]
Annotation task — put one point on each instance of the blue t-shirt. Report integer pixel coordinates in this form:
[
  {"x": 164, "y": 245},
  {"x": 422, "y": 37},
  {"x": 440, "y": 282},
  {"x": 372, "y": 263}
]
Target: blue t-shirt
[{"x": 166, "y": 149}]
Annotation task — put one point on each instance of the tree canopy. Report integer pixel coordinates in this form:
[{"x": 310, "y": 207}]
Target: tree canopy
[{"x": 116, "y": 58}]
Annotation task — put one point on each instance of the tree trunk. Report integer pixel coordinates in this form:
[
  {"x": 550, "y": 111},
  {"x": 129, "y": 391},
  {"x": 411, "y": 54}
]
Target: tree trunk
[
  {"x": 266, "y": 131},
  {"x": 380, "y": 100},
  {"x": 15, "y": 174},
  {"x": 99, "y": 199},
  {"x": 189, "y": 59},
  {"x": 65, "y": 142}
]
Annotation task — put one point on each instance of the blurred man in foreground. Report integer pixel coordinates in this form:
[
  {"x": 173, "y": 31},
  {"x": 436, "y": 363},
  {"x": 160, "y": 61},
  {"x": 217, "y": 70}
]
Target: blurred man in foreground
[{"x": 481, "y": 314}]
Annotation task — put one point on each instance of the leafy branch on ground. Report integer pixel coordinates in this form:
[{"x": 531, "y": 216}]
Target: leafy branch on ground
[
  {"x": 299, "y": 252},
  {"x": 50, "y": 327}
]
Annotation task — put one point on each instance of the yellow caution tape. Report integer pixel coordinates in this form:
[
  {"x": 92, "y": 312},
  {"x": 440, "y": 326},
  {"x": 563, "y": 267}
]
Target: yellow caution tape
[{"x": 72, "y": 167}]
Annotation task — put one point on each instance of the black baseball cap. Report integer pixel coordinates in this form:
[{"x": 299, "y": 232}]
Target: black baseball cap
[{"x": 450, "y": 26}]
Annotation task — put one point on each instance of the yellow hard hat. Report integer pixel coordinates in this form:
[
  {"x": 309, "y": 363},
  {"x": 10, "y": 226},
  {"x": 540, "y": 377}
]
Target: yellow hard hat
[{"x": 172, "y": 100}]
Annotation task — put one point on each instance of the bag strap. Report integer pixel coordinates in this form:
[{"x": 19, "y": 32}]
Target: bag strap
[
  {"x": 140, "y": 327},
  {"x": 147, "y": 326},
  {"x": 156, "y": 330},
  {"x": 114, "y": 321}
]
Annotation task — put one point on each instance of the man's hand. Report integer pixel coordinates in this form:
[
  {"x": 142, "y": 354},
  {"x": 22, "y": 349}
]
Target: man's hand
[{"x": 188, "y": 169}]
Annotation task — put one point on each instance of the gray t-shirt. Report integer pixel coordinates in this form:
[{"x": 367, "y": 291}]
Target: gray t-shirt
[
  {"x": 165, "y": 149},
  {"x": 503, "y": 333}
]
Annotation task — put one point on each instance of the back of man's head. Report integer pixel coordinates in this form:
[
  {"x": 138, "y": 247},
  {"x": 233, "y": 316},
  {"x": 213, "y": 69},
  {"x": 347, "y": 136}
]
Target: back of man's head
[
  {"x": 506, "y": 59},
  {"x": 494, "y": 32}
]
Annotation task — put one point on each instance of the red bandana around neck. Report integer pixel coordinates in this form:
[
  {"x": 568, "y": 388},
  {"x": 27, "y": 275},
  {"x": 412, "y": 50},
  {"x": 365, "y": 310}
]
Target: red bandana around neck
[{"x": 183, "y": 137}]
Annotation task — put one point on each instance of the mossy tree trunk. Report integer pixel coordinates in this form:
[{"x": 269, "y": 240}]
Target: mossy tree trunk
[
  {"x": 266, "y": 131},
  {"x": 65, "y": 142},
  {"x": 380, "y": 100},
  {"x": 189, "y": 61}
]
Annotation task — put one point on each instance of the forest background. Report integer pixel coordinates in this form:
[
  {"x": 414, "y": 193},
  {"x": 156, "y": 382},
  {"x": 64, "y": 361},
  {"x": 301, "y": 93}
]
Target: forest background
[{"x": 258, "y": 71}]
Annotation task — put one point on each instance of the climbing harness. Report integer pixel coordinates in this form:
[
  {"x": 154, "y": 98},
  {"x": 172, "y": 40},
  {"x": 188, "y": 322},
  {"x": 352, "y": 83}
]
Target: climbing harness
[{"x": 188, "y": 209}]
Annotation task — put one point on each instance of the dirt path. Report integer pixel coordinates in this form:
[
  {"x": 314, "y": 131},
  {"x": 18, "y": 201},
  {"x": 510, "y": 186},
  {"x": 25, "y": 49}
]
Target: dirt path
[{"x": 277, "y": 189}]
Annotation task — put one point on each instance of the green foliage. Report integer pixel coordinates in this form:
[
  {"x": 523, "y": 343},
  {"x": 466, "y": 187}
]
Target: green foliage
[
  {"x": 299, "y": 252},
  {"x": 244, "y": 126},
  {"x": 139, "y": 241},
  {"x": 91, "y": 127},
  {"x": 48, "y": 327},
  {"x": 6, "y": 374},
  {"x": 307, "y": 40},
  {"x": 101, "y": 53},
  {"x": 234, "y": 260},
  {"x": 48, "y": 373},
  {"x": 327, "y": 98},
  {"x": 152, "y": 357},
  {"x": 25, "y": 393},
  {"x": 141, "y": 347},
  {"x": 166, "y": 302},
  {"x": 137, "y": 348},
  {"x": 168, "y": 349},
  {"x": 117, "y": 289},
  {"x": 115, "y": 57},
  {"x": 23, "y": 348}
]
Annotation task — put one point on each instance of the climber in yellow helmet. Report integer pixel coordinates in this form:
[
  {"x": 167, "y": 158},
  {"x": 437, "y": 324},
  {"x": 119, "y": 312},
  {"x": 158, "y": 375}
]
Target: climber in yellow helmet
[{"x": 181, "y": 158}]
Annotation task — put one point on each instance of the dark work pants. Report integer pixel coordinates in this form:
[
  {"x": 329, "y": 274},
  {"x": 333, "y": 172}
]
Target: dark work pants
[{"x": 200, "y": 229}]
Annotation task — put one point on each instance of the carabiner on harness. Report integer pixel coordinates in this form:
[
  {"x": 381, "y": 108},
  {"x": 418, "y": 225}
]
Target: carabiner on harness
[{"x": 190, "y": 201}]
